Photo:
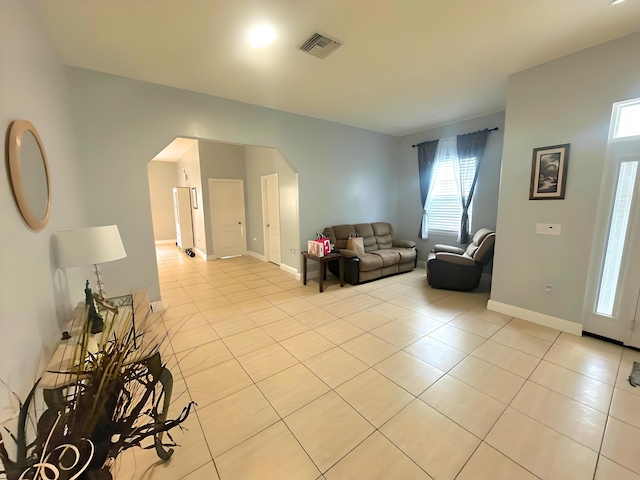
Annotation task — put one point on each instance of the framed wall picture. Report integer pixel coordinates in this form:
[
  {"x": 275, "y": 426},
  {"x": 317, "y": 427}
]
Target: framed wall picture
[
  {"x": 549, "y": 172},
  {"x": 194, "y": 198}
]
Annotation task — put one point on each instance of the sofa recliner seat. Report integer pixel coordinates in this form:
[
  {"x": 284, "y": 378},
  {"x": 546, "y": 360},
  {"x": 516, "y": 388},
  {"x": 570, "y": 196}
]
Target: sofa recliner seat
[{"x": 383, "y": 255}]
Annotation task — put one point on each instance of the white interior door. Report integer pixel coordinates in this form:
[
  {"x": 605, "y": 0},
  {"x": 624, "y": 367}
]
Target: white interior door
[
  {"x": 271, "y": 218},
  {"x": 226, "y": 199},
  {"x": 613, "y": 292}
]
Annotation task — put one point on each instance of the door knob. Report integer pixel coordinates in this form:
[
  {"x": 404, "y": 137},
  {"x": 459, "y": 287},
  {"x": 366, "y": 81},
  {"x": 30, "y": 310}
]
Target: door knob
[{"x": 268, "y": 225}]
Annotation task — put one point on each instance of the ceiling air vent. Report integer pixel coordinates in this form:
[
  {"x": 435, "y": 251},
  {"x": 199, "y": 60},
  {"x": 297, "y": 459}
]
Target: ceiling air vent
[{"x": 319, "y": 45}]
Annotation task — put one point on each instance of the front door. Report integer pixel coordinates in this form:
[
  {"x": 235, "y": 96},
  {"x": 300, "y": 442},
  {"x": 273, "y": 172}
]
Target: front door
[
  {"x": 271, "y": 218},
  {"x": 226, "y": 198}
]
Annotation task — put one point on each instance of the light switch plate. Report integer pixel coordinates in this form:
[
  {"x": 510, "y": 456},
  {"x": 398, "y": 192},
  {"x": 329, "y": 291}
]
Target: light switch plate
[{"x": 548, "y": 228}]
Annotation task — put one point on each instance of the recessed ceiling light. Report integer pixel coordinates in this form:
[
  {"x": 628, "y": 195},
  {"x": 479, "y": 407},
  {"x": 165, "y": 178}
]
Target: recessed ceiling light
[
  {"x": 262, "y": 36},
  {"x": 615, "y": 2}
]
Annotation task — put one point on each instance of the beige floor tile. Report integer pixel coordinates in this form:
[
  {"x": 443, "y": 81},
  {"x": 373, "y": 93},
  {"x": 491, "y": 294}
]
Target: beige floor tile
[
  {"x": 439, "y": 312},
  {"x": 577, "y": 421},
  {"x": 507, "y": 358},
  {"x": 207, "y": 471},
  {"x": 541, "y": 450},
  {"x": 328, "y": 428},
  {"x": 533, "y": 329},
  {"x": 307, "y": 345},
  {"x": 203, "y": 357},
  {"x": 435, "y": 353},
  {"x": 233, "y": 419},
  {"x": 233, "y": 325},
  {"x": 409, "y": 372},
  {"x": 292, "y": 388},
  {"x": 586, "y": 390},
  {"x": 608, "y": 470},
  {"x": 250, "y": 302},
  {"x": 581, "y": 362},
  {"x": 474, "y": 325},
  {"x": 622, "y": 444},
  {"x": 267, "y": 361},
  {"x": 248, "y": 341},
  {"x": 625, "y": 406},
  {"x": 468, "y": 407},
  {"x": 483, "y": 313},
  {"x": 366, "y": 320},
  {"x": 285, "y": 328},
  {"x": 140, "y": 464},
  {"x": 315, "y": 318},
  {"x": 418, "y": 428},
  {"x": 182, "y": 324},
  {"x": 457, "y": 338},
  {"x": 523, "y": 342},
  {"x": 374, "y": 396},
  {"x": 396, "y": 334},
  {"x": 178, "y": 311},
  {"x": 489, "y": 464},
  {"x": 268, "y": 315},
  {"x": 626, "y": 364},
  {"x": 369, "y": 349},
  {"x": 185, "y": 340},
  {"x": 389, "y": 310},
  {"x": 494, "y": 381},
  {"x": 376, "y": 459},
  {"x": 335, "y": 366},
  {"x": 339, "y": 331},
  {"x": 273, "y": 454},
  {"x": 592, "y": 346},
  {"x": 419, "y": 323},
  {"x": 410, "y": 303},
  {"x": 217, "y": 382}
]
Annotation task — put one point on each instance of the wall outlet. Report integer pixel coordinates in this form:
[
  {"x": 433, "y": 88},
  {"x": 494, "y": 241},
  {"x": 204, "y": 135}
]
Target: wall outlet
[
  {"x": 548, "y": 289},
  {"x": 255, "y": 239}
]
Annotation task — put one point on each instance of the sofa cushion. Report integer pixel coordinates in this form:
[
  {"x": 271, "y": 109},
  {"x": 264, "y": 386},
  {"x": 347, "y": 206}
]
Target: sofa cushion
[
  {"x": 407, "y": 255},
  {"x": 365, "y": 230},
  {"x": 389, "y": 257},
  {"x": 370, "y": 261},
  {"x": 342, "y": 233},
  {"x": 384, "y": 234}
]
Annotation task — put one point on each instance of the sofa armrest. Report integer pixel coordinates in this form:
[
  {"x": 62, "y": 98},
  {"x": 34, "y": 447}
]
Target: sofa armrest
[
  {"x": 448, "y": 248},
  {"x": 404, "y": 243},
  {"x": 455, "y": 258},
  {"x": 348, "y": 253}
]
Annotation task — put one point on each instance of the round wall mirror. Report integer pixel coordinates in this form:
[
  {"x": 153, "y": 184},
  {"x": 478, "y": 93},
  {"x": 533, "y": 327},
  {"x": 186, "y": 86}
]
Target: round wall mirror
[{"x": 29, "y": 171}]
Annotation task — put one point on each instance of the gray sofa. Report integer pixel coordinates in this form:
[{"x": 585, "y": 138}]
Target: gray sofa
[{"x": 384, "y": 254}]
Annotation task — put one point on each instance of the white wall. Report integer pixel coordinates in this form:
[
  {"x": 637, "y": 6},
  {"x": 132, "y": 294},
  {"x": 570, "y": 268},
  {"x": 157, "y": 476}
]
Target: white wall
[
  {"x": 565, "y": 101},
  {"x": 346, "y": 174},
  {"x": 218, "y": 160},
  {"x": 163, "y": 176},
  {"x": 35, "y": 299},
  {"x": 485, "y": 201},
  {"x": 265, "y": 161},
  {"x": 190, "y": 163}
]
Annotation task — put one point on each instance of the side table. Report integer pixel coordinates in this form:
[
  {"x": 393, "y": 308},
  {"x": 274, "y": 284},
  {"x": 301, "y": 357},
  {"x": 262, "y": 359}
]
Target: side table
[{"x": 322, "y": 274}]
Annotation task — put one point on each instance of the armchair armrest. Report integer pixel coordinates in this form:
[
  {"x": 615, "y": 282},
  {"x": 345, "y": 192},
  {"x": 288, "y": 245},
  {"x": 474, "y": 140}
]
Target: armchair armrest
[
  {"x": 455, "y": 258},
  {"x": 348, "y": 253},
  {"x": 449, "y": 249},
  {"x": 404, "y": 243}
]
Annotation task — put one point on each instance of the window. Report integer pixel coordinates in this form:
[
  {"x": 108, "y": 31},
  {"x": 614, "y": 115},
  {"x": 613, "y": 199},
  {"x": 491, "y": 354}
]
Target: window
[
  {"x": 627, "y": 119},
  {"x": 445, "y": 209}
]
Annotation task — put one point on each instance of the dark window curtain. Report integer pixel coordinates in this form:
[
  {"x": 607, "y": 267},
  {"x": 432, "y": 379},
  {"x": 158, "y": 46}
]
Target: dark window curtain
[
  {"x": 470, "y": 145},
  {"x": 426, "y": 160}
]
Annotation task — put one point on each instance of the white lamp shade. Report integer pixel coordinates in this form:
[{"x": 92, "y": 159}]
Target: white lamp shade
[{"x": 89, "y": 246}]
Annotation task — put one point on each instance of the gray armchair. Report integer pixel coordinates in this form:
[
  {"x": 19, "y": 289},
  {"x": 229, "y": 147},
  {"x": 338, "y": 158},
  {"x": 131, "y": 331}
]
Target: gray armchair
[{"x": 454, "y": 268}]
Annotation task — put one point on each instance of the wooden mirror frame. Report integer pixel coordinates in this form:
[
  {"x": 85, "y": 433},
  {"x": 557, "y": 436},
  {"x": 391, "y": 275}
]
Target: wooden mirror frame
[{"x": 17, "y": 130}]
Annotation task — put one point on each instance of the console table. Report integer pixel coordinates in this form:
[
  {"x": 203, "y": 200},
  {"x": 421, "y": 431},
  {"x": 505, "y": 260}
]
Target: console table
[{"x": 322, "y": 274}]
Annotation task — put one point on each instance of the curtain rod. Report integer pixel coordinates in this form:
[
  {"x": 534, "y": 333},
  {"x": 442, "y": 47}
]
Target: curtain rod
[{"x": 490, "y": 129}]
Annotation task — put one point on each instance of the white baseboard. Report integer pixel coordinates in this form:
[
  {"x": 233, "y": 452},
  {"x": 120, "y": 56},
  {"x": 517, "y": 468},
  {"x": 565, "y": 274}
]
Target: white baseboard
[
  {"x": 291, "y": 270},
  {"x": 156, "y": 306},
  {"x": 422, "y": 264},
  {"x": 166, "y": 242},
  {"x": 262, "y": 258},
  {"x": 536, "y": 317},
  {"x": 204, "y": 255}
]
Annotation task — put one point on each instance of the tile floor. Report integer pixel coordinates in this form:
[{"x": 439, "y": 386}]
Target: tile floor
[{"x": 387, "y": 380}]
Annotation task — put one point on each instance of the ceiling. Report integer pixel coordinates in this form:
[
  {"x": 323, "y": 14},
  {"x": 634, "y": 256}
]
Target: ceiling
[{"x": 405, "y": 66}]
